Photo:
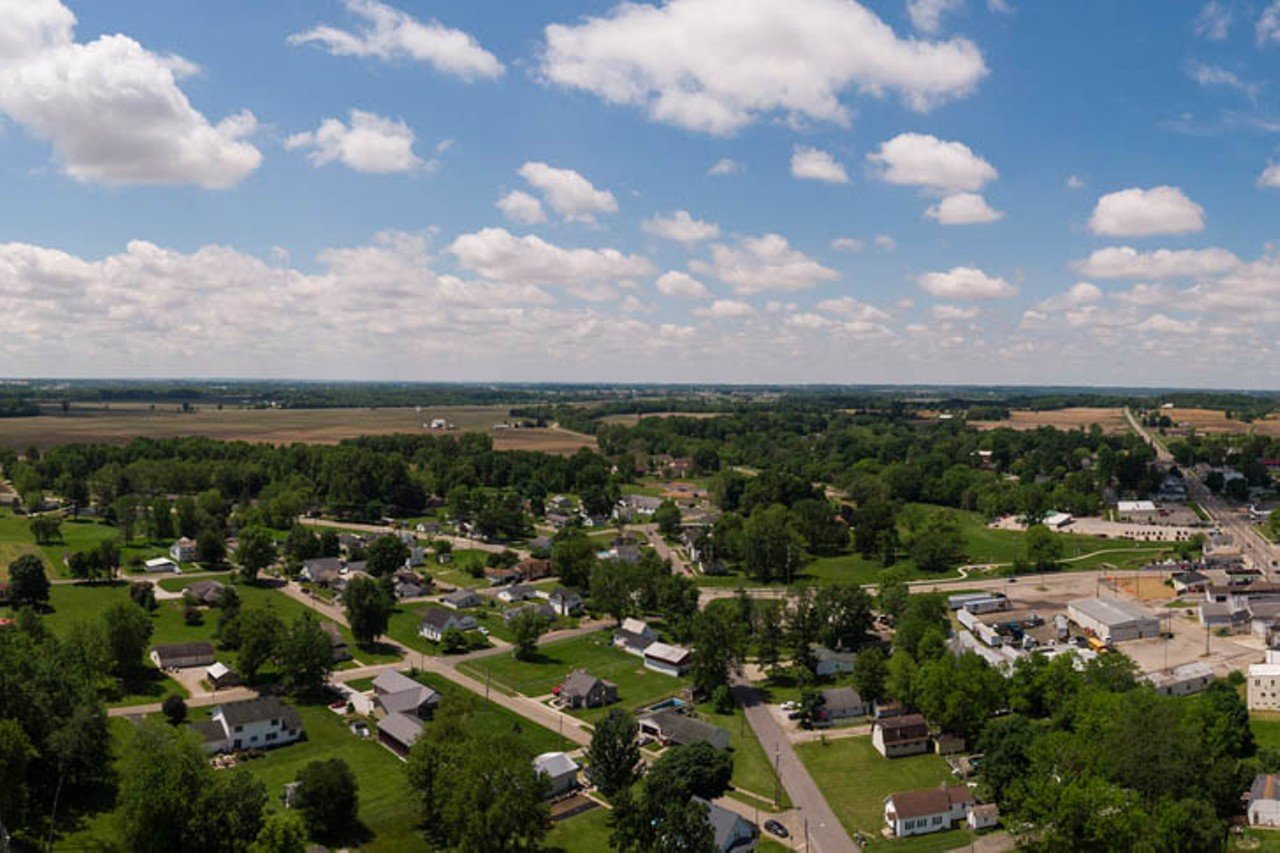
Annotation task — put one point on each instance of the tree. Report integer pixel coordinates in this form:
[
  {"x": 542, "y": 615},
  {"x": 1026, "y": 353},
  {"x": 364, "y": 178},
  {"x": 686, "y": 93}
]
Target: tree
[
  {"x": 869, "y": 673},
  {"x": 894, "y": 593},
  {"x": 612, "y": 590},
  {"x": 937, "y": 546},
  {"x": 572, "y": 556},
  {"x": 772, "y": 549},
  {"x": 327, "y": 798},
  {"x": 174, "y": 709},
  {"x": 385, "y": 556},
  {"x": 256, "y": 551},
  {"x": 699, "y": 768},
  {"x": 256, "y": 632},
  {"x": 128, "y": 630},
  {"x": 28, "y": 584},
  {"x": 844, "y": 615},
  {"x": 769, "y": 634},
  {"x": 660, "y": 819},
  {"x": 613, "y": 755},
  {"x": 301, "y": 544},
  {"x": 282, "y": 832},
  {"x": 959, "y": 694},
  {"x": 368, "y": 608},
  {"x": 819, "y": 524},
  {"x": 305, "y": 654},
  {"x": 161, "y": 518},
  {"x": 16, "y": 755},
  {"x": 875, "y": 529},
  {"x": 211, "y": 546},
  {"x": 453, "y": 642},
  {"x": 667, "y": 517},
  {"x": 1043, "y": 549},
  {"x": 923, "y": 625},
  {"x": 720, "y": 641},
  {"x": 527, "y": 627},
  {"x": 900, "y": 677},
  {"x": 46, "y": 529}
]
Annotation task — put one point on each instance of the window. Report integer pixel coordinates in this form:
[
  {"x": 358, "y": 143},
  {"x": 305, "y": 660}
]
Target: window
[
  {"x": 271, "y": 736},
  {"x": 239, "y": 728}
]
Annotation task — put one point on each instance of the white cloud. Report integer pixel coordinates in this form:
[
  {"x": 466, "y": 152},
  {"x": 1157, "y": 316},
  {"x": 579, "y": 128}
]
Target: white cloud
[
  {"x": 681, "y": 285},
  {"x": 954, "y": 313},
  {"x": 111, "y": 109},
  {"x": 815, "y": 165},
  {"x": 726, "y": 309},
  {"x": 1082, "y": 293},
  {"x": 1165, "y": 325},
  {"x": 726, "y": 166},
  {"x": 1268, "y": 29},
  {"x": 759, "y": 264},
  {"x": 885, "y": 243},
  {"x": 1128, "y": 262},
  {"x": 519, "y": 206},
  {"x": 1000, "y": 7},
  {"x": 963, "y": 209},
  {"x": 1270, "y": 176},
  {"x": 848, "y": 244},
  {"x": 499, "y": 256},
  {"x": 718, "y": 65},
  {"x": 1213, "y": 22},
  {"x": 568, "y": 193},
  {"x": 390, "y": 34},
  {"x": 926, "y": 15},
  {"x": 851, "y": 309},
  {"x": 680, "y": 227},
  {"x": 965, "y": 283},
  {"x": 1075, "y": 182},
  {"x": 370, "y": 144},
  {"x": 1212, "y": 75},
  {"x": 1139, "y": 212},
  {"x": 921, "y": 160}
]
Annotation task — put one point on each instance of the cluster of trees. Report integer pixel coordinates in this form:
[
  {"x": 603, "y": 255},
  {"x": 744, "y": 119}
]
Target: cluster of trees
[
  {"x": 300, "y": 650},
  {"x": 646, "y": 587}
]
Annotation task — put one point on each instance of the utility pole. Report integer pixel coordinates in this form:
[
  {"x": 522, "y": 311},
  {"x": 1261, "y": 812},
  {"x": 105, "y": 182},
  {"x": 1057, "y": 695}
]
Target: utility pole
[{"x": 777, "y": 757}]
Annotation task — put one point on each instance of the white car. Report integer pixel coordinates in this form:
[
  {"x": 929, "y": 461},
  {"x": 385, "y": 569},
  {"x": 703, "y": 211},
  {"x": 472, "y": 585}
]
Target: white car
[{"x": 790, "y": 706}]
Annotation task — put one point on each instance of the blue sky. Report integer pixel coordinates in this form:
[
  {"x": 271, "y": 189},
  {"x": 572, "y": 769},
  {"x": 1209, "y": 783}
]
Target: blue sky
[{"x": 910, "y": 190}]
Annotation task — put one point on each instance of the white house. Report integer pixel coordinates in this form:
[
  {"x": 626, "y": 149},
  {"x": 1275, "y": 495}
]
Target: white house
[
  {"x": 668, "y": 659},
  {"x": 435, "y": 622},
  {"x": 183, "y": 551},
  {"x": 161, "y": 564},
  {"x": 564, "y": 601},
  {"x": 1264, "y": 800},
  {"x": 928, "y": 810},
  {"x": 983, "y": 816},
  {"x": 250, "y": 724},
  {"x": 561, "y": 771},
  {"x": 1264, "y": 683},
  {"x": 634, "y": 636},
  {"x": 829, "y": 662},
  {"x": 897, "y": 736}
]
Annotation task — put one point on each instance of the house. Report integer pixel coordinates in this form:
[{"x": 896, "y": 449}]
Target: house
[
  {"x": 397, "y": 693},
  {"x": 983, "y": 816},
  {"x": 182, "y": 656},
  {"x": 461, "y": 599},
  {"x": 183, "y": 551},
  {"x": 731, "y": 832},
  {"x": 581, "y": 689},
  {"x": 565, "y": 601},
  {"x": 339, "y": 642},
  {"x": 673, "y": 727},
  {"x": 517, "y": 592},
  {"x": 321, "y": 570},
  {"x": 540, "y": 607},
  {"x": 841, "y": 703},
  {"x": 161, "y": 564},
  {"x": 561, "y": 772},
  {"x": 635, "y": 508},
  {"x": 219, "y": 675},
  {"x": 634, "y": 637},
  {"x": 1223, "y": 617},
  {"x": 829, "y": 662},
  {"x": 667, "y": 659},
  {"x": 435, "y": 622},
  {"x": 532, "y": 569},
  {"x": 1112, "y": 620},
  {"x": 928, "y": 810},
  {"x": 399, "y": 732},
  {"x": 1264, "y": 800},
  {"x": 204, "y": 593},
  {"x": 500, "y": 577},
  {"x": 897, "y": 736},
  {"x": 250, "y": 724},
  {"x": 540, "y": 545},
  {"x": 1184, "y": 582},
  {"x": 417, "y": 555},
  {"x": 410, "y": 584}
]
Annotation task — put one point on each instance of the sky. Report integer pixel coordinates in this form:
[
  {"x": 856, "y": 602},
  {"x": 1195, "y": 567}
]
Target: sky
[{"x": 749, "y": 191}]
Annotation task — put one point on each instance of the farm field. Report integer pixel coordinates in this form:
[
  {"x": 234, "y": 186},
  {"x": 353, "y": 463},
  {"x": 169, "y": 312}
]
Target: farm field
[
  {"x": 1081, "y": 417},
  {"x": 123, "y": 422},
  {"x": 637, "y": 686}
]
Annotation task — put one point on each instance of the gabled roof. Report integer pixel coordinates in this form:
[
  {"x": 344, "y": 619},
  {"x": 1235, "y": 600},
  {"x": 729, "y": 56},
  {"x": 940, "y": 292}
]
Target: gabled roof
[
  {"x": 461, "y": 596},
  {"x": 257, "y": 710},
  {"x": 664, "y": 653},
  {"x": 904, "y": 728},
  {"x": 842, "y": 699},
  {"x": 1266, "y": 786},
  {"x": 929, "y": 801},
  {"x": 401, "y": 728},
  {"x": 554, "y": 764},
  {"x": 184, "y": 650},
  {"x": 724, "y": 823},
  {"x": 684, "y": 730},
  {"x": 438, "y": 618},
  {"x": 580, "y": 683}
]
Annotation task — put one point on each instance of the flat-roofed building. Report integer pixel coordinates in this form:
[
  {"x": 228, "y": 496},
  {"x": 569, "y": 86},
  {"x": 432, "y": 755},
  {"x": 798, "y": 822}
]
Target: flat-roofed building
[{"x": 1112, "y": 620}]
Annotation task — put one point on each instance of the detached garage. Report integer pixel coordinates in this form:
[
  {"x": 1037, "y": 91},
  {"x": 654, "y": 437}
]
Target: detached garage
[{"x": 1111, "y": 620}]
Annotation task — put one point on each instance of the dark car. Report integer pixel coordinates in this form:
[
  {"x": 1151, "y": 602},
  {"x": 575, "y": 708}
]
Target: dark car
[{"x": 775, "y": 828}]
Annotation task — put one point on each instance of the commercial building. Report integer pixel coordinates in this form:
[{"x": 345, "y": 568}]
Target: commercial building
[{"x": 1111, "y": 620}]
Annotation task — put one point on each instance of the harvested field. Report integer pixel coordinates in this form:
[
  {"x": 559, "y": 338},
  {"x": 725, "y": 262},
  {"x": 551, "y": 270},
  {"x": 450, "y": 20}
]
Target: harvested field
[
  {"x": 123, "y": 422},
  {"x": 1216, "y": 421},
  {"x": 1082, "y": 417},
  {"x": 632, "y": 420}
]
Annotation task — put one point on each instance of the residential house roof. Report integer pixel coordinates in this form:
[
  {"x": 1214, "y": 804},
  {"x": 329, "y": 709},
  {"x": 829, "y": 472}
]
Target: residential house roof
[
  {"x": 666, "y": 653},
  {"x": 724, "y": 823},
  {"x": 555, "y": 764},
  {"x": 402, "y": 728},
  {"x": 929, "y": 801},
  {"x": 1266, "y": 786},
  {"x": 580, "y": 683},
  {"x": 207, "y": 591},
  {"x": 684, "y": 730},
  {"x": 462, "y": 598},
  {"x": 248, "y": 711},
  {"x": 904, "y": 728},
  {"x": 836, "y": 699},
  {"x": 183, "y": 650}
]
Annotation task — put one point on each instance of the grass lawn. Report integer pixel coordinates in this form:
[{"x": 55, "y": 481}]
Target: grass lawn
[
  {"x": 855, "y": 779},
  {"x": 1266, "y": 840},
  {"x": 583, "y": 833},
  {"x": 77, "y": 535},
  {"x": 752, "y": 768},
  {"x": 637, "y": 686},
  {"x": 491, "y": 717},
  {"x": 1266, "y": 728}
]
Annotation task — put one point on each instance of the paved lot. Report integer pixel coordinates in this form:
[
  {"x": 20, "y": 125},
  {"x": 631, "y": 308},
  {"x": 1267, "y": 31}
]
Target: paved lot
[{"x": 1114, "y": 529}]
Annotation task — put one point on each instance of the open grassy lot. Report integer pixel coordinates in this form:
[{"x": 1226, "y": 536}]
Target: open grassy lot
[
  {"x": 122, "y": 422},
  {"x": 637, "y": 686},
  {"x": 77, "y": 535},
  {"x": 1264, "y": 840},
  {"x": 752, "y": 768},
  {"x": 855, "y": 779},
  {"x": 1266, "y": 728},
  {"x": 584, "y": 833}
]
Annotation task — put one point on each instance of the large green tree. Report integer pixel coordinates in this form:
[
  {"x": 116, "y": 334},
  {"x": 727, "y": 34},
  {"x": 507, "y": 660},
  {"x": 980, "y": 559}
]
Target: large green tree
[
  {"x": 28, "y": 583},
  {"x": 613, "y": 754},
  {"x": 305, "y": 654},
  {"x": 368, "y": 606},
  {"x": 255, "y": 551},
  {"x": 328, "y": 798},
  {"x": 772, "y": 549}
]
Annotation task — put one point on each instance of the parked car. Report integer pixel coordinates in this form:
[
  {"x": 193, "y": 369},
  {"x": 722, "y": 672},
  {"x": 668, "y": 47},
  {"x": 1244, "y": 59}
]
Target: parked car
[
  {"x": 790, "y": 706},
  {"x": 775, "y": 828}
]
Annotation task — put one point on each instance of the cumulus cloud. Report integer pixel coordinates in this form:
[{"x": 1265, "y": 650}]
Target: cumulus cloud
[
  {"x": 1128, "y": 262},
  {"x": 1268, "y": 28},
  {"x": 1213, "y": 21},
  {"x": 568, "y": 193},
  {"x": 759, "y": 264},
  {"x": 726, "y": 166},
  {"x": 963, "y": 209},
  {"x": 680, "y": 227},
  {"x": 389, "y": 34},
  {"x": 716, "y": 66},
  {"x": 926, "y": 15},
  {"x": 726, "y": 309},
  {"x": 921, "y": 160},
  {"x": 499, "y": 256},
  {"x": 848, "y": 244},
  {"x": 1139, "y": 212},
  {"x": 369, "y": 143},
  {"x": 111, "y": 109},
  {"x": 681, "y": 285},
  {"x": 519, "y": 206},
  {"x": 851, "y": 309},
  {"x": 813, "y": 164},
  {"x": 1165, "y": 325},
  {"x": 1270, "y": 176},
  {"x": 965, "y": 283},
  {"x": 885, "y": 242},
  {"x": 955, "y": 313}
]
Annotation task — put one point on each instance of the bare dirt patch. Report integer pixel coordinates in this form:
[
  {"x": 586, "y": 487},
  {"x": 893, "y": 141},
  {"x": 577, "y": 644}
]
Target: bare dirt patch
[
  {"x": 1146, "y": 588},
  {"x": 1080, "y": 417}
]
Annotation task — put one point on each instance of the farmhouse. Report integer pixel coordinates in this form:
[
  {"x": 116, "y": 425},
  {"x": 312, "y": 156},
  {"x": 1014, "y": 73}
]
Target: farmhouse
[
  {"x": 250, "y": 724},
  {"x": 581, "y": 689},
  {"x": 894, "y": 737},
  {"x": 673, "y": 727},
  {"x": 928, "y": 810},
  {"x": 1264, "y": 800},
  {"x": 182, "y": 655},
  {"x": 561, "y": 772},
  {"x": 669, "y": 660},
  {"x": 183, "y": 551},
  {"x": 1111, "y": 620},
  {"x": 634, "y": 636},
  {"x": 435, "y": 622}
]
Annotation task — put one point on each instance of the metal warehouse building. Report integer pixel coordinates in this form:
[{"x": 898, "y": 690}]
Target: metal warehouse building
[{"x": 1113, "y": 621}]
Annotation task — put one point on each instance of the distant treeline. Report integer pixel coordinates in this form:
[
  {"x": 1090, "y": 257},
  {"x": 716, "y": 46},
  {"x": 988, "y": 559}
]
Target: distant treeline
[{"x": 16, "y": 407}]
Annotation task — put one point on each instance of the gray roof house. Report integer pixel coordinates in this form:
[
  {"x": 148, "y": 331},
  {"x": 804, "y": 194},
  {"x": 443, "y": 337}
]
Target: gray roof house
[
  {"x": 581, "y": 689},
  {"x": 561, "y": 772},
  {"x": 397, "y": 693},
  {"x": 435, "y": 622},
  {"x": 250, "y": 724},
  {"x": 321, "y": 570},
  {"x": 839, "y": 703},
  {"x": 206, "y": 593},
  {"x": 460, "y": 599},
  {"x": 399, "y": 732},
  {"x": 732, "y": 832},
  {"x": 673, "y": 727},
  {"x": 634, "y": 636},
  {"x": 565, "y": 601},
  {"x": 182, "y": 655}
]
